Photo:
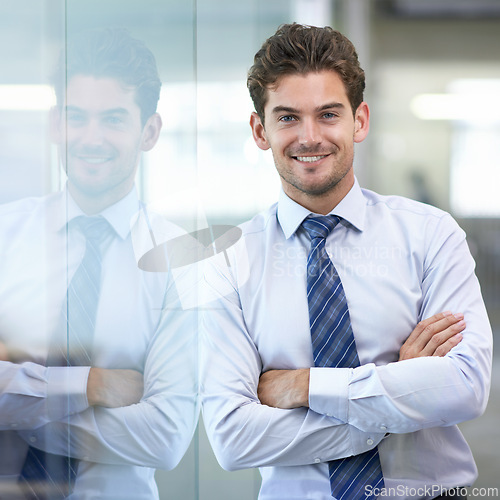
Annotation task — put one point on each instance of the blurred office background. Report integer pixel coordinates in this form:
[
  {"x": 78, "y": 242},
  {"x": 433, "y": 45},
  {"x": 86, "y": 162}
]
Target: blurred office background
[{"x": 433, "y": 84}]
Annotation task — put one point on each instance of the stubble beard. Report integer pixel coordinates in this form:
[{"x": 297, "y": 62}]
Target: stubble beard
[{"x": 344, "y": 166}]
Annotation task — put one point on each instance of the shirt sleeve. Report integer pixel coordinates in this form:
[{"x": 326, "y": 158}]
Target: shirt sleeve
[
  {"x": 155, "y": 432},
  {"x": 243, "y": 432},
  {"x": 424, "y": 392},
  {"x": 32, "y": 395}
]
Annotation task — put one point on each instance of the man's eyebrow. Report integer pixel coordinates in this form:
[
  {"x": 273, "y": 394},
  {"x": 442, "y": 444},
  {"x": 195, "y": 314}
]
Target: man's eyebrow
[
  {"x": 111, "y": 111},
  {"x": 69, "y": 107},
  {"x": 324, "y": 107},
  {"x": 284, "y": 109},
  {"x": 115, "y": 111},
  {"x": 331, "y": 105}
]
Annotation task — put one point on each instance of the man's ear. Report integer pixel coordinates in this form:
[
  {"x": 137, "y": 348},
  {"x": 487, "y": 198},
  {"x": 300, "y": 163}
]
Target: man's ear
[
  {"x": 151, "y": 132},
  {"x": 56, "y": 129},
  {"x": 361, "y": 122},
  {"x": 258, "y": 132}
]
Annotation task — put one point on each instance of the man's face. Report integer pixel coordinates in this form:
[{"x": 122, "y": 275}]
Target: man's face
[
  {"x": 311, "y": 130},
  {"x": 100, "y": 136}
]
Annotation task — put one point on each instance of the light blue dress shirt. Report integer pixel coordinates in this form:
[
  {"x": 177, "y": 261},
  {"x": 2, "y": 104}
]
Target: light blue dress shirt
[
  {"x": 400, "y": 262},
  {"x": 140, "y": 325}
]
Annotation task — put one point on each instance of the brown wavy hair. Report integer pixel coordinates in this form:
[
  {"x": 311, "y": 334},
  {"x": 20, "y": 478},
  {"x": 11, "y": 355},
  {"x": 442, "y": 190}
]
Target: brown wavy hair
[
  {"x": 300, "y": 49},
  {"x": 112, "y": 53}
]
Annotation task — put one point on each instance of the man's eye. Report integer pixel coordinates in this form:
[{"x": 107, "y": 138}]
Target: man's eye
[
  {"x": 75, "y": 118},
  {"x": 114, "y": 120},
  {"x": 329, "y": 116},
  {"x": 287, "y": 118}
]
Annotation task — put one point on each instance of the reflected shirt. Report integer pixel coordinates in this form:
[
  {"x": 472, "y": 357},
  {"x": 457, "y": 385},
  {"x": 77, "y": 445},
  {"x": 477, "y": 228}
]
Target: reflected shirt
[
  {"x": 400, "y": 261},
  {"x": 140, "y": 325}
]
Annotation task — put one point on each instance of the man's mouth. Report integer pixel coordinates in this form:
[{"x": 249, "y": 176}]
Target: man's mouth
[
  {"x": 94, "y": 160},
  {"x": 310, "y": 159}
]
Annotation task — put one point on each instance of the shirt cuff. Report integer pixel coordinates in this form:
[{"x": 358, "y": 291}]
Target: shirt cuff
[
  {"x": 329, "y": 391},
  {"x": 66, "y": 390}
]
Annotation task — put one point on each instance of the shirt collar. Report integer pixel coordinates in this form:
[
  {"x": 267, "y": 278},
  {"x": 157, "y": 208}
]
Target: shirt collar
[
  {"x": 352, "y": 209},
  {"x": 120, "y": 215}
]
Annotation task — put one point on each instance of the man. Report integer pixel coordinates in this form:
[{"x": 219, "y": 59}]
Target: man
[
  {"x": 98, "y": 356},
  {"x": 335, "y": 272}
]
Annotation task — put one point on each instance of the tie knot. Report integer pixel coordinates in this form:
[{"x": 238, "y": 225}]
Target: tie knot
[
  {"x": 320, "y": 226},
  {"x": 95, "y": 229}
]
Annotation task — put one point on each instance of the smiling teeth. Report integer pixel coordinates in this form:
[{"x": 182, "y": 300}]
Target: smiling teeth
[{"x": 310, "y": 159}]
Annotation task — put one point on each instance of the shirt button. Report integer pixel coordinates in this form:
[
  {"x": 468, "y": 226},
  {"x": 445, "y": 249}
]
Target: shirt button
[
  {"x": 32, "y": 439},
  {"x": 369, "y": 442},
  {"x": 317, "y": 461},
  {"x": 383, "y": 427},
  {"x": 14, "y": 425}
]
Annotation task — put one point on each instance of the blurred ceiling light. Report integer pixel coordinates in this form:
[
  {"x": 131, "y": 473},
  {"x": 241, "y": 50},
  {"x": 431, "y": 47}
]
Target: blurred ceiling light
[
  {"x": 436, "y": 106},
  {"x": 26, "y": 97},
  {"x": 468, "y": 100}
]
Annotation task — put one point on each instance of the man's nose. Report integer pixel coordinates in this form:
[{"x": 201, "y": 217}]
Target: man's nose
[
  {"x": 310, "y": 132},
  {"x": 92, "y": 133}
]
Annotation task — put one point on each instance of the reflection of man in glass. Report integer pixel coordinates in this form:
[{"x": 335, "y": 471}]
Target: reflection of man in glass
[{"x": 98, "y": 356}]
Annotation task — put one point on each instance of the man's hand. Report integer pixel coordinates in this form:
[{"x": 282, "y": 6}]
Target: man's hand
[
  {"x": 284, "y": 388},
  {"x": 114, "y": 388},
  {"x": 435, "y": 336},
  {"x": 107, "y": 387}
]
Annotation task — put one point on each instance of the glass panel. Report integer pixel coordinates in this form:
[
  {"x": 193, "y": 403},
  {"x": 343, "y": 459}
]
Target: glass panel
[{"x": 98, "y": 300}]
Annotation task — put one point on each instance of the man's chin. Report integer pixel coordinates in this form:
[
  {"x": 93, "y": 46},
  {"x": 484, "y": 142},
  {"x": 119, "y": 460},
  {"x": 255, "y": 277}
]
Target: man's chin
[
  {"x": 317, "y": 189},
  {"x": 90, "y": 189},
  {"x": 323, "y": 186}
]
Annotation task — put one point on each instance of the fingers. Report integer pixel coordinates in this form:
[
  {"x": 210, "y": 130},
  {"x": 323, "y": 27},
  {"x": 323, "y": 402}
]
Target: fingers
[
  {"x": 437, "y": 334},
  {"x": 428, "y": 327},
  {"x": 439, "y": 342},
  {"x": 434, "y": 336},
  {"x": 447, "y": 346}
]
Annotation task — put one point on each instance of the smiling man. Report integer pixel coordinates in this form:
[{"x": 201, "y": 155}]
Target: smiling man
[
  {"x": 97, "y": 356},
  {"x": 313, "y": 368}
]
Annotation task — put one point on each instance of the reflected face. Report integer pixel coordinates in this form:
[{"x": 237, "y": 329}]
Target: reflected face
[
  {"x": 101, "y": 136},
  {"x": 311, "y": 130}
]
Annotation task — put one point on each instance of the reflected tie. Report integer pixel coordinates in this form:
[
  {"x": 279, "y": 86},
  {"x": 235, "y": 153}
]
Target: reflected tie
[
  {"x": 334, "y": 346},
  {"x": 83, "y": 292},
  {"x": 50, "y": 476}
]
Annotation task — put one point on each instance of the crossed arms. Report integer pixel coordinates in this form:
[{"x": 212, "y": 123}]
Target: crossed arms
[
  {"x": 114, "y": 416},
  {"x": 435, "y": 336}
]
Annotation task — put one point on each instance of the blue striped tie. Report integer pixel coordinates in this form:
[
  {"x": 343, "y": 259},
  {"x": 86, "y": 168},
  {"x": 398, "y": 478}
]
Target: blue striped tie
[{"x": 334, "y": 346}]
